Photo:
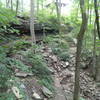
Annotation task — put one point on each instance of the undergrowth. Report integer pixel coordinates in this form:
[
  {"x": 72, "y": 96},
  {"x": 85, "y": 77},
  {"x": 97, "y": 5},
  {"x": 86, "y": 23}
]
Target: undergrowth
[
  {"x": 40, "y": 69},
  {"x": 59, "y": 46},
  {"x": 17, "y": 64},
  {"x": 17, "y": 46},
  {"x": 5, "y": 73}
]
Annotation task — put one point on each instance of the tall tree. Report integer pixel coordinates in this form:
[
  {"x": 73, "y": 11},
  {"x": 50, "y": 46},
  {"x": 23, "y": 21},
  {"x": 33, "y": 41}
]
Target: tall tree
[
  {"x": 11, "y": 4},
  {"x": 38, "y": 6},
  {"x": 97, "y": 16},
  {"x": 94, "y": 51},
  {"x": 22, "y": 5},
  {"x": 79, "y": 49},
  {"x": 58, "y": 10},
  {"x": 17, "y": 6},
  {"x": 7, "y": 3},
  {"x": 32, "y": 22},
  {"x": 97, "y": 75}
]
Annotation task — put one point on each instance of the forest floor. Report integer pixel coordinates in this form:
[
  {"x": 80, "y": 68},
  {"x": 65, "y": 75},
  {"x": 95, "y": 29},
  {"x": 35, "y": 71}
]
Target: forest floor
[
  {"x": 64, "y": 78},
  {"x": 63, "y": 73}
]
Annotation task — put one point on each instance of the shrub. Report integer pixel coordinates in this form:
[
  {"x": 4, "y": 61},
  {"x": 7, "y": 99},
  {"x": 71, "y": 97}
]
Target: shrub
[
  {"x": 21, "y": 44},
  {"x": 56, "y": 51},
  {"x": 48, "y": 39},
  {"x": 7, "y": 96},
  {"x": 39, "y": 66},
  {"x": 47, "y": 81},
  {"x": 5, "y": 74},
  {"x": 40, "y": 69},
  {"x": 50, "y": 19},
  {"x": 63, "y": 45},
  {"x": 17, "y": 46},
  {"x": 2, "y": 54},
  {"x": 86, "y": 53},
  {"x": 59, "y": 46},
  {"x": 7, "y": 16},
  {"x": 64, "y": 56},
  {"x": 19, "y": 65}
]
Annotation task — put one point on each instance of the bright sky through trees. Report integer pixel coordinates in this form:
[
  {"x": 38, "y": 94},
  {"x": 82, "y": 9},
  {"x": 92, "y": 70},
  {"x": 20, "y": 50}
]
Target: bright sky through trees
[{"x": 65, "y": 10}]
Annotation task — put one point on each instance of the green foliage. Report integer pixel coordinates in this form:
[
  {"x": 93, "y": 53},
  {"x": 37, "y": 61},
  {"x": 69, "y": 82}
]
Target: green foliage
[
  {"x": 82, "y": 98},
  {"x": 18, "y": 45},
  {"x": 45, "y": 17},
  {"x": 47, "y": 81},
  {"x": 12, "y": 30},
  {"x": 7, "y": 96},
  {"x": 5, "y": 74},
  {"x": 48, "y": 39},
  {"x": 50, "y": 20},
  {"x": 21, "y": 44},
  {"x": 5, "y": 38},
  {"x": 19, "y": 65},
  {"x": 86, "y": 53},
  {"x": 64, "y": 56},
  {"x": 56, "y": 51},
  {"x": 2, "y": 54},
  {"x": 39, "y": 66},
  {"x": 9, "y": 30},
  {"x": 98, "y": 47},
  {"x": 18, "y": 83},
  {"x": 40, "y": 69},
  {"x": 7, "y": 16},
  {"x": 59, "y": 46}
]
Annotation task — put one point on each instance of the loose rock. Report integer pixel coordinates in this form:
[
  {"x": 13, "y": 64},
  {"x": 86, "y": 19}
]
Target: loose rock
[{"x": 47, "y": 92}]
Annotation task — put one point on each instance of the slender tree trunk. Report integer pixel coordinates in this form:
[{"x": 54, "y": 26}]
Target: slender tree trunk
[
  {"x": 38, "y": 6},
  {"x": 17, "y": 6},
  {"x": 97, "y": 17},
  {"x": 90, "y": 16},
  {"x": 97, "y": 76},
  {"x": 42, "y": 4},
  {"x": 7, "y": 3},
  {"x": 11, "y": 5},
  {"x": 22, "y": 5},
  {"x": 32, "y": 22},
  {"x": 94, "y": 53},
  {"x": 90, "y": 13},
  {"x": 58, "y": 10},
  {"x": 79, "y": 49},
  {"x": 98, "y": 70}
]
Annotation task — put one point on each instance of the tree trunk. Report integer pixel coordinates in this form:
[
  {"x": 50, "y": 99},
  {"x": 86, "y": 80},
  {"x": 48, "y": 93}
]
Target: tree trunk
[
  {"x": 37, "y": 6},
  {"x": 7, "y": 3},
  {"x": 94, "y": 53},
  {"x": 22, "y": 5},
  {"x": 98, "y": 69},
  {"x": 42, "y": 4},
  {"x": 79, "y": 49},
  {"x": 97, "y": 16},
  {"x": 58, "y": 10},
  {"x": 17, "y": 5},
  {"x": 32, "y": 22},
  {"x": 11, "y": 5},
  {"x": 97, "y": 76}
]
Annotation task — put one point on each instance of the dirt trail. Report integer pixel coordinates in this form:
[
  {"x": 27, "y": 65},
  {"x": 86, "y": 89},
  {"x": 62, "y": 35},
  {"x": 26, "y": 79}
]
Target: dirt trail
[
  {"x": 64, "y": 78},
  {"x": 58, "y": 67},
  {"x": 60, "y": 95},
  {"x": 60, "y": 92}
]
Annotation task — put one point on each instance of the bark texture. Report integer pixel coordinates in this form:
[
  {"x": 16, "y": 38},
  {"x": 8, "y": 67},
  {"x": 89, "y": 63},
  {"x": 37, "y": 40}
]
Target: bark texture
[
  {"x": 32, "y": 22},
  {"x": 97, "y": 16},
  {"x": 79, "y": 49}
]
